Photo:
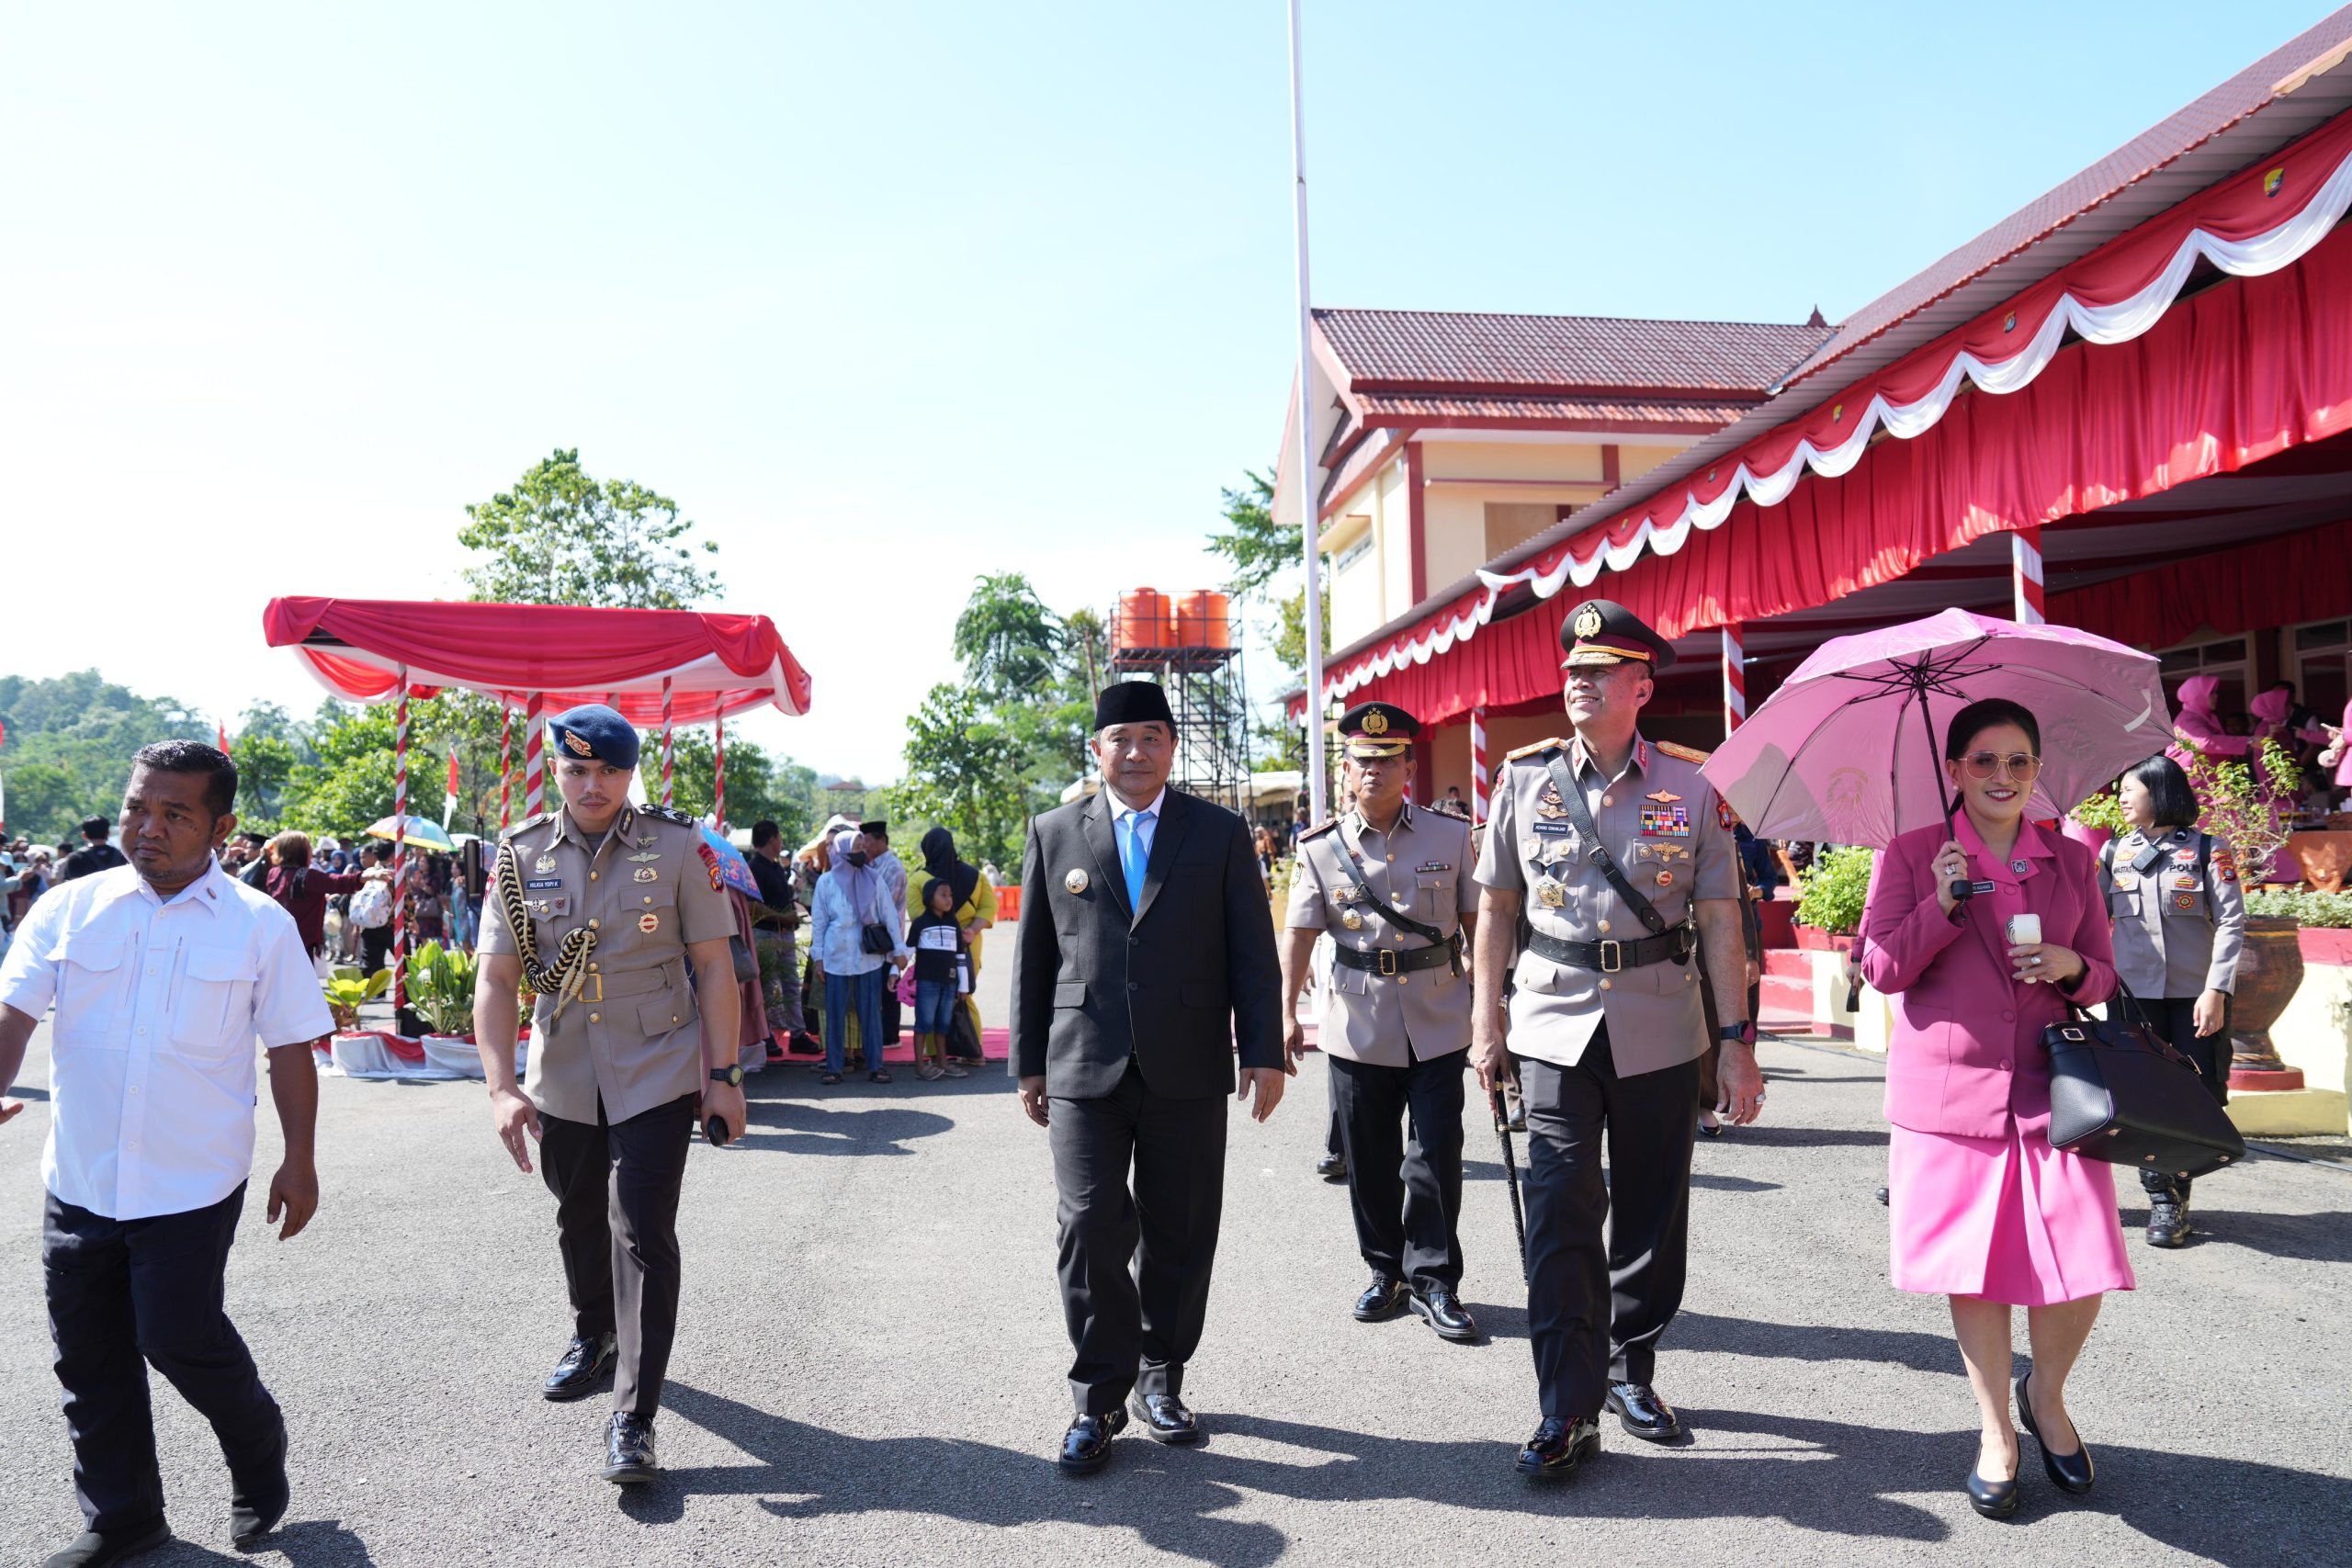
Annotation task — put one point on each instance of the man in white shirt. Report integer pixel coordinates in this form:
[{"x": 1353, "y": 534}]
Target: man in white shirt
[{"x": 163, "y": 972}]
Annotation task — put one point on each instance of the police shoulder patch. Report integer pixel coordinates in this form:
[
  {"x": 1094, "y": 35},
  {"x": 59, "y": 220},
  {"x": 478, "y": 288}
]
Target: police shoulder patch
[
  {"x": 1534, "y": 748},
  {"x": 1684, "y": 753},
  {"x": 1319, "y": 829}
]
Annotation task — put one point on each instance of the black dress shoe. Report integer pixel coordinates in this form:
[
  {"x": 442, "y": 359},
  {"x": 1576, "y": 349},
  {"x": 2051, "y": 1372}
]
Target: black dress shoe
[
  {"x": 581, "y": 1368},
  {"x": 2069, "y": 1473},
  {"x": 1165, "y": 1419},
  {"x": 2167, "y": 1221},
  {"x": 1332, "y": 1168},
  {"x": 1382, "y": 1300},
  {"x": 1642, "y": 1412},
  {"x": 1559, "y": 1446},
  {"x": 257, "y": 1502},
  {"x": 1994, "y": 1500},
  {"x": 1443, "y": 1311},
  {"x": 628, "y": 1449},
  {"x": 91, "y": 1549},
  {"x": 1088, "y": 1442}
]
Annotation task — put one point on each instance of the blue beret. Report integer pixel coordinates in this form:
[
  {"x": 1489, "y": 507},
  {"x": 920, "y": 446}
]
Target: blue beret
[{"x": 591, "y": 729}]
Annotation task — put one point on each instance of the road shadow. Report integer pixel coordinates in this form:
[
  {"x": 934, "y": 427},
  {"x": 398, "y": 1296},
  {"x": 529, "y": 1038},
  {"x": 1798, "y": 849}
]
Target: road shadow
[
  {"x": 303, "y": 1543},
  {"x": 2315, "y": 1238},
  {"x": 1771, "y": 1137},
  {"x": 1814, "y": 1342},
  {"x": 793, "y": 1126}
]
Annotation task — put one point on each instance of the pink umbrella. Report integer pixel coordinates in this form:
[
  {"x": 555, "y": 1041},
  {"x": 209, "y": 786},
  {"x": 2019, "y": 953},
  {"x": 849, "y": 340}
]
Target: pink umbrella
[{"x": 1849, "y": 751}]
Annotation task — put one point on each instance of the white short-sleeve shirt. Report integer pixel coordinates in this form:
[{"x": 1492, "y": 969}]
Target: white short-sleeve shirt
[{"x": 151, "y": 1077}]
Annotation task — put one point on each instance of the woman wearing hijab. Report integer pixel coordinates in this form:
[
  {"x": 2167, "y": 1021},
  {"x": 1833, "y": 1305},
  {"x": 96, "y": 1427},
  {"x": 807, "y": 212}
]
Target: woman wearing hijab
[
  {"x": 849, "y": 899},
  {"x": 2198, "y": 731},
  {"x": 975, "y": 909}
]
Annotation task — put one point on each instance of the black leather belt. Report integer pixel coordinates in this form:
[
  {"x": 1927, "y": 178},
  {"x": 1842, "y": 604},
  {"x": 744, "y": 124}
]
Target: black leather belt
[
  {"x": 1388, "y": 960},
  {"x": 1609, "y": 957}
]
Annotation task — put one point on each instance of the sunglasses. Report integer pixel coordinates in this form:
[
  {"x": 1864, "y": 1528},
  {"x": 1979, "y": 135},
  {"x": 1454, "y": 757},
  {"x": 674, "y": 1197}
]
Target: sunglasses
[{"x": 2019, "y": 766}]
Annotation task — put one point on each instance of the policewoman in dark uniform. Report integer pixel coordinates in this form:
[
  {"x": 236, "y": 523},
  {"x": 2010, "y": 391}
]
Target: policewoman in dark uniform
[
  {"x": 2178, "y": 916},
  {"x": 1610, "y": 861},
  {"x": 1392, "y": 885},
  {"x": 614, "y": 915}
]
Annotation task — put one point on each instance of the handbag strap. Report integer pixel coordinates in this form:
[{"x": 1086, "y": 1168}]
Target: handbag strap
[{"x": 1572, "y": 796}]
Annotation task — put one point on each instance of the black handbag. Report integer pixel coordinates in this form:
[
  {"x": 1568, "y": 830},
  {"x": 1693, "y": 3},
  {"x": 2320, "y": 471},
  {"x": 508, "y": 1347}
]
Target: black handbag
[{"x": 2119, "y": 1093}]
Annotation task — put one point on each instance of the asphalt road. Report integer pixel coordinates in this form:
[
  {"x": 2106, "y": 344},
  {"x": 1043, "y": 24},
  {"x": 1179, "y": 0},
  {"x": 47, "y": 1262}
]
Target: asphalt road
[{"x": 870, "y": 1370}]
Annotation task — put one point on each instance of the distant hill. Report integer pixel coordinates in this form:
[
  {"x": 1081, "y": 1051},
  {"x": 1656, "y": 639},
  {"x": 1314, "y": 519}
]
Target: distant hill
[{"x": 68, "y": 747}]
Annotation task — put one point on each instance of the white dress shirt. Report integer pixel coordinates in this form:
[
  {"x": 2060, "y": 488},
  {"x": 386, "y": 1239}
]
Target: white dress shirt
[{"x": 151, "y": 1079}]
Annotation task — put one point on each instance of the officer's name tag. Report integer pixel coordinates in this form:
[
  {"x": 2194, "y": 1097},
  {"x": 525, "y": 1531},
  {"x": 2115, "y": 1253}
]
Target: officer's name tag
[
  {"x": 536, "y": 881},
  {"x": 1541, "y": 827},
  {"x": 1434, "y": 865}
]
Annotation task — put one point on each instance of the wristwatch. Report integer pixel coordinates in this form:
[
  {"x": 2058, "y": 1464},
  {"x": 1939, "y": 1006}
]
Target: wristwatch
[
  {"x": 731, "y": 1075},
  {"x": 1738, "y": 1033}
]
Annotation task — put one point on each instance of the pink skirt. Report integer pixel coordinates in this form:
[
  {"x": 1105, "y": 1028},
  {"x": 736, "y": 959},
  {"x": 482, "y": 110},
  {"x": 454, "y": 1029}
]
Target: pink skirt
[{"x": 2007, "y": 1219}]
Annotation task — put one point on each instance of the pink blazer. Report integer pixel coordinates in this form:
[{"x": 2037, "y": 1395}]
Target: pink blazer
[{"x": 1966, "y": 1053}]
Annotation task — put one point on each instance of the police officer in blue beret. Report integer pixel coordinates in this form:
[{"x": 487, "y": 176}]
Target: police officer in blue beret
[{"x": 614, "y": 915}]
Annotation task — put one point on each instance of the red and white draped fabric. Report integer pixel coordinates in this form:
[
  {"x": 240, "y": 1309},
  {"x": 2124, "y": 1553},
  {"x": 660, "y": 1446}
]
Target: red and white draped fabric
[
  {"x": 400, "y": 841},
  {"x": 714, "y": 663},
  {"x": 667, "y": 725},
  {"x": 534, "y": 763},
  {"x": 1479, "y": 778},
  {"x": 718, "y": 777},
  {"x": 506, "y": 764},
  {"x": 2211, "y": 382}
]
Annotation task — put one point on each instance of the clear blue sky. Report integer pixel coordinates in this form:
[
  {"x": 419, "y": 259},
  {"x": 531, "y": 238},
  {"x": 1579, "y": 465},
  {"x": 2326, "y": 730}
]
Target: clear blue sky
[{"x": 889, "y": 296}]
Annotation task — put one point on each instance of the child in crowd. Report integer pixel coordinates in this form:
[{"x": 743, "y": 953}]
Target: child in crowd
[{"x": 939, "y": 962}]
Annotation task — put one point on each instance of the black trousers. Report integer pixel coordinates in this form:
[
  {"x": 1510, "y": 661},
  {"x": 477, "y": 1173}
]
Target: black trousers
[
  {"x": 617, "y": 1187},
  {"x": 128, "y": 1295},
  {"x": 1135, "y": 1265},
  {"x": 1404, "y": 1185},
  {"x": 1595, "y": 1312},
  {"x": 375, "y": 947},
  {"x": 2175, "y": 1021}
]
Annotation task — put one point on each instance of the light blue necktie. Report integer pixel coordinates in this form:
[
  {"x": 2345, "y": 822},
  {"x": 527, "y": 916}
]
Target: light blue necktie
[{"x": 1131, "y": 858}]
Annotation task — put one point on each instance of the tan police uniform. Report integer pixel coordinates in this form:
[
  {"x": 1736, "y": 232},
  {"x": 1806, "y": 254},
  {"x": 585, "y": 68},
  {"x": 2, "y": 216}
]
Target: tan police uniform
[
  {"x": 616, "y": 1071},
  {"x": 1394, "y": 1026},
  {"x": 2179, "y": 921},
  {"x": 1606, "y": 1033}
]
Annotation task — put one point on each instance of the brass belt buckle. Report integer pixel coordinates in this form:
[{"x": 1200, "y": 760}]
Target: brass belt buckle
[
  {"x": 1387, "y": 962},
  {"x": 1613, "y": 958}
]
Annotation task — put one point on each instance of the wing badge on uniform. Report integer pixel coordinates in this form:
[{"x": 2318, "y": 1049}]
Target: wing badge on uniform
[{"x": 1549, "y": 803}]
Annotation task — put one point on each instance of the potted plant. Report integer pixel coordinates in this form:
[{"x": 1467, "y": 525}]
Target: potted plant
[
  {"x": 1830, "y": 895},
  {"x": 441, "y": 992},
  {"x": 2246, "y": 808},
  {"x": 348, "y": 988},
  {"x": 2095, "y": 820}
]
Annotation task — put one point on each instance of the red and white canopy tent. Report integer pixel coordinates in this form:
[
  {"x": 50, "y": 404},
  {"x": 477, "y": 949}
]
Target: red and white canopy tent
[
  {"x": 657, "y": 667},
  {"x": 2165, "y": 341}
]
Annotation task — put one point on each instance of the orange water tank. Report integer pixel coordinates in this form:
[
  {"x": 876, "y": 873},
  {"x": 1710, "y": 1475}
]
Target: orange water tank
[
  {"x": 1204, "y": 619},
  {"x": 1142, "y": 619}
]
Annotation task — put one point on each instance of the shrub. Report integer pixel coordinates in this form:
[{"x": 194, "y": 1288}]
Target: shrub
[
  {"x": 1830, "y": 895},
  {"x": 2331, "y": 910},
  {"x": 441, "y": 988}
]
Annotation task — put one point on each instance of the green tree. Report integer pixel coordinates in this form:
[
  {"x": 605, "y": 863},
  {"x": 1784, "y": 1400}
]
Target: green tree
[
  {"x": 1008, "y": 640},
  {"x": 264, "y": 764},
  {"x": 350, "y": 785},
  {"x": 44, "y": 802},
  {"x": 561, "y": 536},
  {"x": 87, "y": 729},
  {"x": 1260, "y": 549},
  {"x": 963, "y": 772},
  {"x": 758, "y": 785}
]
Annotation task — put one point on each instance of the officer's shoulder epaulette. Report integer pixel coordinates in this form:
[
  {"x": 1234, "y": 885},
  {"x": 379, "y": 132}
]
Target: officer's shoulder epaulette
[
  {"x": 524, "y": 825},
  {"x": 1682, "y": 753},
  {"x": 1533, "y": 747},
  {"x": 1319, "y": 829},
  {"x": 668, "y": 814}
]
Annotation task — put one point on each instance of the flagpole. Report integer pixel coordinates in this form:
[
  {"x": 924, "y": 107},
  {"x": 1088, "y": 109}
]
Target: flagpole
[{"x": 1309, "y": 493}]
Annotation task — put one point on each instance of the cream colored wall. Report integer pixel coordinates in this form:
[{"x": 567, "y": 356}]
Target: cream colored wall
[
  {"x": 1454, "y": 545},
  {"x": 1393, "y": 515},
  {"x": 1449, "y": 748},
  {"x": 1633, "y": 462},
  {"x": 1355, "y": 595}
]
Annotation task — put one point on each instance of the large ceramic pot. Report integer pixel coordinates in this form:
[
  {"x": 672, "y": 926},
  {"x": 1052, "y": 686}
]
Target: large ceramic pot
[{"x": 2271, "y": 969}]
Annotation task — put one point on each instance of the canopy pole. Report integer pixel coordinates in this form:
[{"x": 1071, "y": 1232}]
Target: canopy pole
[
  {"x": 1734, "y": 678},
  {"x": 1478, "y": 775},
  {"x": 2025, "y": 574},
  {"x": 1308, "y": 491},
  {"x": 665, "y": 741},
  {"x": 400, "y": 850},
  {"x": 505, "y": 762},
  {"x": 719, "y": 777},
  {"x": 535, "y": 766}
]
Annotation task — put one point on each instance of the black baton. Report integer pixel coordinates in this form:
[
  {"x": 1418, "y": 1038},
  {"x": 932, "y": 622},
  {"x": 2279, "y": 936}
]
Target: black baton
[{"x": 1511, "y": 1176}]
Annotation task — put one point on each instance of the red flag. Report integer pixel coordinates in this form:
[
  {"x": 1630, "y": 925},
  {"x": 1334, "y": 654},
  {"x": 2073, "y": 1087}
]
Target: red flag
[
  {"x": 449, "y": 794},
  {"x": 222, "y": 731}
]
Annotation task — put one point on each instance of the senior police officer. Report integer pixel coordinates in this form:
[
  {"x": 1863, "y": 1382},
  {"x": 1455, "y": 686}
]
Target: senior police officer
[
  {"x": 602, "y": 907},
  {"x": 1610, "y": 858},
  {"x": 1392, "y": 883}
]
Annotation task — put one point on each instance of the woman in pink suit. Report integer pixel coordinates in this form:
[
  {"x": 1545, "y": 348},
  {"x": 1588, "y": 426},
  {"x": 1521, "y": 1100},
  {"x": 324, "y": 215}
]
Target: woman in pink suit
[{"x": 1982, "y": 1208}]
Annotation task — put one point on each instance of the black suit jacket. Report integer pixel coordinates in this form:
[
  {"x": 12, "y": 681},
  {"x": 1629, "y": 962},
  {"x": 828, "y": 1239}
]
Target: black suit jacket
[{"x": 1176, "y": 985}]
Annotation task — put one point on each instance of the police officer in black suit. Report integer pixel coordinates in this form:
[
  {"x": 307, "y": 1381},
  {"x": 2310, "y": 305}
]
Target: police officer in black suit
[{"x": 1145, "y": 956}]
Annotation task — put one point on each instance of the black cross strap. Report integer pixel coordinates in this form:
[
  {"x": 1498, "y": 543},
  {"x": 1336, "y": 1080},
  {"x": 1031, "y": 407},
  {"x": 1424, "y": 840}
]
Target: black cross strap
[
  {"x": 1388, "y": 911},
  {"x": 1572, "y": 796}
]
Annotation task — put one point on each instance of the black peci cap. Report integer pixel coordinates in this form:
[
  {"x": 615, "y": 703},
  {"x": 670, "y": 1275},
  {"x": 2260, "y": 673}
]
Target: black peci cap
[{"x": 1131, "y": 702}]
